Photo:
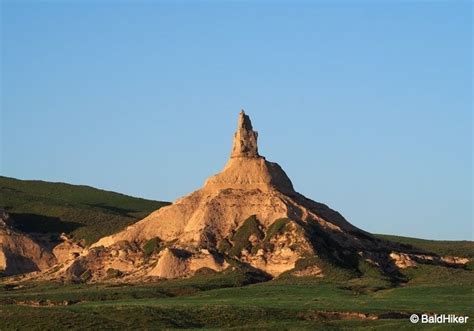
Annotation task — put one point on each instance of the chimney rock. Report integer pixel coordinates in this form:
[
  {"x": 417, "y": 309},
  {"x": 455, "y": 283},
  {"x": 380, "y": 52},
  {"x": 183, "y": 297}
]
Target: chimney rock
[{"x": 245, "y": 138}]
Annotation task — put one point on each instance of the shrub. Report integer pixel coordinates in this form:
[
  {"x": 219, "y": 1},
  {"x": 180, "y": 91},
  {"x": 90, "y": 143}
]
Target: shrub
[
  {"x": 224, "y": 246},
  {"x": 152, "y": 246},
  {"x": 240, "y": 239},
  {"x": 204, "y": 271},
  {"x": 277, "y": 227},
  {"x": 113, "y": 273}
]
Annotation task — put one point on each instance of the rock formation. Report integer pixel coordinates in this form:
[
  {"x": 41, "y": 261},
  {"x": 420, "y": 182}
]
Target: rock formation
[
  {"x": 18, "y": 252},
  {"x": 67, "y": 250},
  {"x": 249, "y": 214},
  {"x": 245, "y": 139}
]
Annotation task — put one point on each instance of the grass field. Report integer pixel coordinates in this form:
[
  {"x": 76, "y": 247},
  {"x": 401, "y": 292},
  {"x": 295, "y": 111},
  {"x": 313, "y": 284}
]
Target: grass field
[{"x": 220, "y": 301}]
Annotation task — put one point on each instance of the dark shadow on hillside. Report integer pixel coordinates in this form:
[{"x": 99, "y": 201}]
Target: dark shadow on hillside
[
  {"x": 117, "y": 210},
  {"x": 18, "y": 263},
  {"x": 42, "y": 224}
]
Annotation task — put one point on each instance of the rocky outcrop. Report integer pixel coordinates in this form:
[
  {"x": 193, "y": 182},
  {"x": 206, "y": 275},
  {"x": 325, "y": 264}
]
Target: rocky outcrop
[
  {"x": 245, "y": 139},
  {"x": 67, "y": 250},
  {"x": 402, "y": 260},
  {"x": 19, "y": 253},
  {"x": 248, "y": 214},
  {"x": 174, "y": 263}
]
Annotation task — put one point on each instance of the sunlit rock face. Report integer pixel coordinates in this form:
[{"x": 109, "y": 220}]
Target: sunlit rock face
[
  {"x": 18, "y": 252},
  {"x": 248, "y": 214},
  {"x": 245, "y": 139}
]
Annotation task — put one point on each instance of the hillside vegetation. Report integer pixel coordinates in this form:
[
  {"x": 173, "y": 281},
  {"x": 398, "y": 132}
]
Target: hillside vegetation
[
  {"x": 461, "y": 248},
  {"x": 83, "y": 212},
  {"x": 236, "y": 300}
]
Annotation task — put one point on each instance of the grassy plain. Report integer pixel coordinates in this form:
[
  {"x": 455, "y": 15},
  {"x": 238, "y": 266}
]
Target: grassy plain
[{"x": 232, "y": 301}]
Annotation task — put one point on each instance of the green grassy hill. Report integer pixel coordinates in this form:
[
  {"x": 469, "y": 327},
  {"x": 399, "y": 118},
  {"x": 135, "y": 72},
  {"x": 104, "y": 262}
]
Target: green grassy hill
[
  {"x": 461, "y": 248},
  {"x": 83, "y": 212}
]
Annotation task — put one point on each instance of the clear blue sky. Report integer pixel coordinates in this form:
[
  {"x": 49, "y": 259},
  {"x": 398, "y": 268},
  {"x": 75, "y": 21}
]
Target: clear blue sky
[{"x": 366, "y": 105}]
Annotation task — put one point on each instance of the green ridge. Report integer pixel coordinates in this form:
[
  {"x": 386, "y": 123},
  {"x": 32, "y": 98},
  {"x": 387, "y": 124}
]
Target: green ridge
[{"x": 83, "y": 212}]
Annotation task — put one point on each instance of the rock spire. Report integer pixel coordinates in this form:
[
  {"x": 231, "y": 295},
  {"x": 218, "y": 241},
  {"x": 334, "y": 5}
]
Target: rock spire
[
  {"x": 245, "y": 138},
  {"x": 233, "y": 217}
]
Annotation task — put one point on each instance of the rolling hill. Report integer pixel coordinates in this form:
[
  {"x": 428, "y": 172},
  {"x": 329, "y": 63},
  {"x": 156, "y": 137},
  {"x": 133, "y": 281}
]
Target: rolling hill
[{"x": 82, "y": 212}]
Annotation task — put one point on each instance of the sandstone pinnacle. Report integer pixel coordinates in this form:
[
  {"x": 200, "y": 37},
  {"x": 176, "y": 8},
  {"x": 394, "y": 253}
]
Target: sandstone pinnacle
[
  {"x": 245, "y": 138},
  {"x": 246, "y": 169}
]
